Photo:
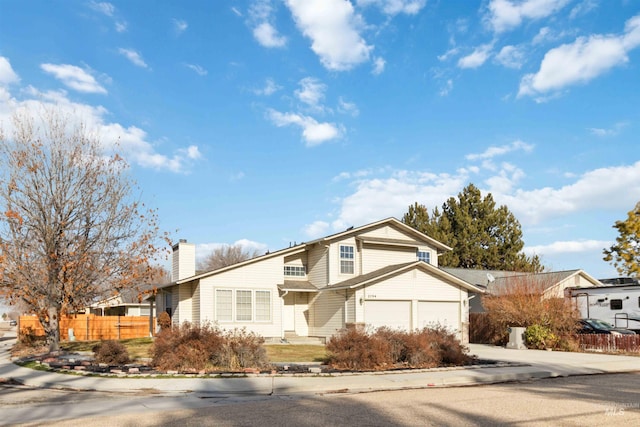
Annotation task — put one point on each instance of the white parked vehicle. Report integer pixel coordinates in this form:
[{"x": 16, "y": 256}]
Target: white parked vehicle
[{"x": 617, "y": 304}]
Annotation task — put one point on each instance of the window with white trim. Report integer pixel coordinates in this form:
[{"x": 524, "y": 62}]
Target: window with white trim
[
  {"x": 244, "y": 307},
  {"x": 295, "y": 270},
  {"x": 424, "y": 256},
  {"x": 347, "y": 259},
  {"x": 224, "y": 305},
  {"x": 263, "y": 306}
]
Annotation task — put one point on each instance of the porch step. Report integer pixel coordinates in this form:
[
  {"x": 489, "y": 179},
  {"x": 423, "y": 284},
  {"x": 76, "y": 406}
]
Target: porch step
[{"x": 292, "y": 338}]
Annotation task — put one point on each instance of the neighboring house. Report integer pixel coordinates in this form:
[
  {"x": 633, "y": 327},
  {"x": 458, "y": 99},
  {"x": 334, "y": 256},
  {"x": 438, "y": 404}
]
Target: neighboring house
[
  {"x": 126, "y": 303},
  {"x": 481, "y": 279},
  {"x": 381, "y": 274},
  {"x": 555, "y": 284}
]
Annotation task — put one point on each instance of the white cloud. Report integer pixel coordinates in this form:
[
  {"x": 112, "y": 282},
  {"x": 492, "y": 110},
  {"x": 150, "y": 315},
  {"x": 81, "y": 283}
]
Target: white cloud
[
  {"x": 604, "y": 188},
  {"x": 236, "y": 11},
  {"x": 270, "y": 87},
  {"x": 494, "y": 151},
  {"x": 103, "y": 7},
  {"x": 180, "y": 26},
  {"x": 563, "y": 247},
  {"x": 311, "y": 92},
  {"x": 447, "y": 88},
  {"x": 378, "y": 66},
  {"x": 313, "y": 132},
  {"x": 7, "y": 75},
  {"x": 204, "y": 249},
  {"x": 133, "y": 56},
  {"x": 121, "y": 26},
  {"x": 478, "y": 57},
  {"x": 504, "y": 15},
  {"x": 268, "y": 36},
  {"x": 197, "y": 68},
  {"x": 394, "y": 7},
  {"x": 511, "y": 57},
  {"x": 130, "y": 141},
  {"x": 316, "y": 229},
  {"x": 374, "y": 197},
  {"x": 264, "y": 31},
  {"x": 348, "y": 107},
  {"x": 583, "y": 8},
  {"x": 109, "y": 10},
  {"x": 74, "y": 77},
  {"x": 581, "y": 61},
  {"x": 332, "y": 26},
  {"x": 615, "y": 130}
]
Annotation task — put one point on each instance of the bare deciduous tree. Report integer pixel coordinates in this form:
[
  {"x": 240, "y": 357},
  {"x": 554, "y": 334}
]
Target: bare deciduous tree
[
  {"x": 71, "y": 228},
  {"x": 226, "y": 255}
]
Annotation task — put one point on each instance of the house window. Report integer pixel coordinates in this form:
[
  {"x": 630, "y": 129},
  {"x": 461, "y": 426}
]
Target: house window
[
  {"x": 424, "y": 256},
  {"x": 347, "y": 262},
  {"x": 224, "y": 305},
  {"x": 615, "y": 304},
  {"x": 295, "y": 270},
  {"x": 243, "y": 306},
  {"x": 263, "y": 306}
]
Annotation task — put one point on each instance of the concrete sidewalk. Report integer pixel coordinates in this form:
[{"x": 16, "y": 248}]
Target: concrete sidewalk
[{"x": 520, "y": 365}]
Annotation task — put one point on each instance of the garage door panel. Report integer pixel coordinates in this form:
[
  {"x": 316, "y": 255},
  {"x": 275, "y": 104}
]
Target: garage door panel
[
  {"x": 443, "y": 313},
  {"x": 393, "y": 314}
]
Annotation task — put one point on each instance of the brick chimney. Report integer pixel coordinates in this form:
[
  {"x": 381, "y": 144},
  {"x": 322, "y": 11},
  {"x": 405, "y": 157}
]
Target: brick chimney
[{"x": 184, "y": 260}]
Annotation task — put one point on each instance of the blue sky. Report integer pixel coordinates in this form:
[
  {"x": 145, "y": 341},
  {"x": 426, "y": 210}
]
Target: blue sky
[{"x": 269, "y": 122}]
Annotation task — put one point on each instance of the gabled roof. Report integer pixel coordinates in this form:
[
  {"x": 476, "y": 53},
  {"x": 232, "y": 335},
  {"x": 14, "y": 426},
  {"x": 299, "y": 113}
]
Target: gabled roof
[
  {"x": 388, "y": 221},
  {"x": 480, "y": 277},
  {"x": 545, "y": 280},
  {"x": 393, "y": 270},
  {"x": 328, "y": 239}
]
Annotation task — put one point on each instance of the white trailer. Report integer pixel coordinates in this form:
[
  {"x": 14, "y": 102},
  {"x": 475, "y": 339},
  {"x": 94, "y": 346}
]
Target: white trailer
[{"x": 618, "y": 304}]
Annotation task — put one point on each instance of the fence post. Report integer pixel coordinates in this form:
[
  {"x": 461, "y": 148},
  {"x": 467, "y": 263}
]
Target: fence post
[
  {"x": 87, "y": 335},
  {"x": 118, "y": 327}
]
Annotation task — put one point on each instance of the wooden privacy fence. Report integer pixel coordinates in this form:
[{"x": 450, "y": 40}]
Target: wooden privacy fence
[{"x": 89, "y": 327}]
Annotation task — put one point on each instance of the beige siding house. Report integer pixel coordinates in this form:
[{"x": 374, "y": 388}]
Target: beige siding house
[{"x": 381, "y": 274}]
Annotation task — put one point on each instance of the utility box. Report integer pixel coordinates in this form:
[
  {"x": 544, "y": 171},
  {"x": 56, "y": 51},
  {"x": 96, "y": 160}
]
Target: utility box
[{"x": 516, "y": 339}]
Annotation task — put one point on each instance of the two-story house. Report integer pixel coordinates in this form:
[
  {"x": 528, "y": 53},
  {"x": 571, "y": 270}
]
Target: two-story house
[{"x": 381, "y": 274}]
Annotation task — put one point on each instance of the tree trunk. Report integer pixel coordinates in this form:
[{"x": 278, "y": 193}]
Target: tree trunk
[{"x": 52, "y": 329}]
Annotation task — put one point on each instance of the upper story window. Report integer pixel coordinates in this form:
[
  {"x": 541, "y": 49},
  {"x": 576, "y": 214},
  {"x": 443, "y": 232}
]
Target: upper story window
[
  {"x": 295, "y": 270},
  {"x": 347, "y": 259},
  {"x": 424, "y": 256}
]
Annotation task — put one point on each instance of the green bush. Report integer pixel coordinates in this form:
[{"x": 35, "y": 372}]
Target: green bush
[
  {"x": 111, "y": 352},
  {"x": 540, "y": 337}
]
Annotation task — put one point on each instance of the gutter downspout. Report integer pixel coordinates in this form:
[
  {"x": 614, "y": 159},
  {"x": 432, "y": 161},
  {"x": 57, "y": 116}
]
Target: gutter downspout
[{"x": 286, "y": 292}]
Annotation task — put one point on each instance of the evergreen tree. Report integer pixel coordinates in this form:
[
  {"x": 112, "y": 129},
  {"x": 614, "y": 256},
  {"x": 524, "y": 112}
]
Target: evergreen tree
[{"x": 481, "y": 235}]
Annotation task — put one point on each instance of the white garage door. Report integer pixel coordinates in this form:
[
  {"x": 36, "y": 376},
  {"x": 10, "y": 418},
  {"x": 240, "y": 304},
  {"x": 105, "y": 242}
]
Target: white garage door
[
  {"x": 394, "y": 314},
  {"x": 439, "y": 313}
]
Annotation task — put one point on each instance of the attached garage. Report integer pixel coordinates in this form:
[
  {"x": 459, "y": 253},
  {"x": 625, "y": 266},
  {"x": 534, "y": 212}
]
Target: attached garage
[
  {"x": 443, "y": 313},
  {"x": 393, "y": 314}
]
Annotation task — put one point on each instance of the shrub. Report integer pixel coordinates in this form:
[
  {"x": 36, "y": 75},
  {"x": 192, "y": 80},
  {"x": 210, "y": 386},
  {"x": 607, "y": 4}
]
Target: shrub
[
  {"x": 188, "y": 348},
  {"x": 540, "y": 337},
  {"x": 242, "y": 349},
  {"x": 111, "y": 352},
  {"x": 164, "y": 320},
  {"x": 521, "y": 302},
  {"x": 358, "y": 349}
]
